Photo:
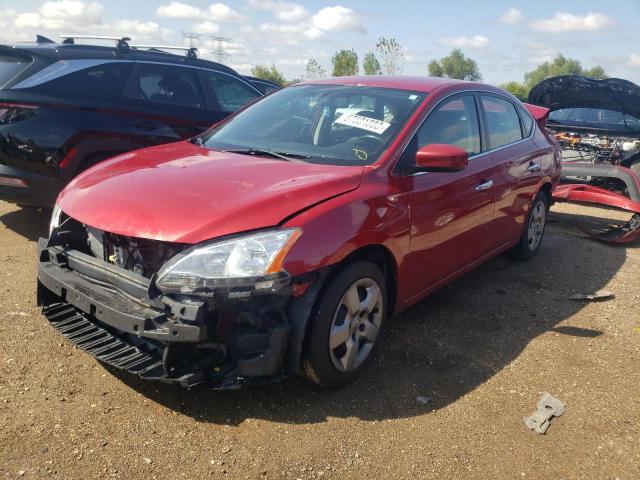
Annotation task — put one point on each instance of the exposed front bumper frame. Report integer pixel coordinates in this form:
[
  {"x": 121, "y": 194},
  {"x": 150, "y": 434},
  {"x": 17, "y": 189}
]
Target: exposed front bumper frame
[{"x": 145, "y": 333}]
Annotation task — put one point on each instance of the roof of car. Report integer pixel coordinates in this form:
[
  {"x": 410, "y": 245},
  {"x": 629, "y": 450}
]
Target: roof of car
[
  {"x": 415, "y": 83},
  {"x": 83, "y": 51}
]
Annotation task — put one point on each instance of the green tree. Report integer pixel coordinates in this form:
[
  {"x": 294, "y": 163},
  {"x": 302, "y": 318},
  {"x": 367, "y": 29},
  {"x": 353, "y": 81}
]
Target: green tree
[
  {"x": 345, "y": 62},
  {"x": 391, "y": 54},
  {"x": 314, "y": 70},
  {"x": 455, "y": 65},
  {"x": 560, "y": 65},
  {"x": 371, "y": 65},
  {"x": 269, "y": 73},
  {"x": 435, "y": 69},
  {"x": 516, "y": 89}
]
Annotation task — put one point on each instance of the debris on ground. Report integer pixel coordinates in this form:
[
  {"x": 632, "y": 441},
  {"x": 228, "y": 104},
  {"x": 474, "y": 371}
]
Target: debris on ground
[
  {"x": 599, "y": 295},
  {"x": 423, "y": 400},
  {"x": 548, "y": 408}
]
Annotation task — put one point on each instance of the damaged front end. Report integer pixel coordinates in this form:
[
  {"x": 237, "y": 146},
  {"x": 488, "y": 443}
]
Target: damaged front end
[
  {"x": 597, "y": 124},
  {"x": 101, "y": 291}
]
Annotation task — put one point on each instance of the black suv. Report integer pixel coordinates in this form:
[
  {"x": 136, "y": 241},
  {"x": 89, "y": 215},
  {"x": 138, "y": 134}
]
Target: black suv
[{"x": 65, "y": 107}]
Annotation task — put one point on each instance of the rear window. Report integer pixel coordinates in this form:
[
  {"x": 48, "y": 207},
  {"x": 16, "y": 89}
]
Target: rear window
[
  {"x": 105, "y": 81},
  {"x": 12, "y": 65}
]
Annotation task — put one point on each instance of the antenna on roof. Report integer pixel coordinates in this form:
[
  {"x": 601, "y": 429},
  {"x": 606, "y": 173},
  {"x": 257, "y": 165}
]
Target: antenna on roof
[
  {"x": 191, "y": 51},
  {"x": 122, "y": 43}
]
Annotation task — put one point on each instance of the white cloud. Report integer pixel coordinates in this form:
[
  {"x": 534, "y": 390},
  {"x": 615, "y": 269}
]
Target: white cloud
[
  {"x": 28, "y": 20},
  {"x": 178, "y": 10},
  {"x": 567, "y": 22},
  {"x": 337, "y": 18},
  {"x": 512, "y": 16},
  {"x": 139, "y": 30},
  {"x": 285, "y": 11},
  {"x": 61, "y": 14},
  {"x": 205, "y": 27},
  {"x": 475, "y": 42},
  {"x": 65, "y": 9},
  {"x": 224, "y": 13},
  {"x": 634, "y": 60}
]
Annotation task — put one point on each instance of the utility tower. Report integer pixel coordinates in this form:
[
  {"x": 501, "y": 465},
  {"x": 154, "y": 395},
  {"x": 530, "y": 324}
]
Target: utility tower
[
  {"x": 218, "y": 46},
  {"x": 190, "y": 38}
]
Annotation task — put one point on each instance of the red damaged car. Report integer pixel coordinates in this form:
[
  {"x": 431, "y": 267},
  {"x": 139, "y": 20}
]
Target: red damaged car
[{"x": 282, "y": 240}]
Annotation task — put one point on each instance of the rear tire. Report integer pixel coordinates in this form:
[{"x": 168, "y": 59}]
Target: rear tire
[
  {"x": 533, "y": 230},
  {"x": 346, "y": 326}
]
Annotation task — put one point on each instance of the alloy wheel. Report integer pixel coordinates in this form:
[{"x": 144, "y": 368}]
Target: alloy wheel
[
  {"x": 536, "y": 225},
  {"x": 356, "y": 325}
]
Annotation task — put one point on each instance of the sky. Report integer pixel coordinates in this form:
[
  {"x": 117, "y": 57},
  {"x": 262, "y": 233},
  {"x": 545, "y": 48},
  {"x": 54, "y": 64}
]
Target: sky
[{"x": 506, "y": 39}]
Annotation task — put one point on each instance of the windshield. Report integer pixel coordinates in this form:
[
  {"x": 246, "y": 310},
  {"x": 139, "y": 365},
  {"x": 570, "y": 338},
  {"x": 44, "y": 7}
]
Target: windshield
[
  {"x": 598, "y": 117},
  {"x": 330, "y": 124}
]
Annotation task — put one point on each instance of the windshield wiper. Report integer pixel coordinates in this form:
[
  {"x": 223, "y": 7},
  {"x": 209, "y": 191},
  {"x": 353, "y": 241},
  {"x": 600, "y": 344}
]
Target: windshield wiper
[{"x": 289, "y": 157}]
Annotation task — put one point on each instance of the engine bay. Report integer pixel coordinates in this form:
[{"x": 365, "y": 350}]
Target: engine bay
[{"x": 597, "y": 149}]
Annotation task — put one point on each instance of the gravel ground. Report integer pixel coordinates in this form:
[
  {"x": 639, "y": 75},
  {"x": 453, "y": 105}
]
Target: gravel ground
[{"x": 481, "y": 350}]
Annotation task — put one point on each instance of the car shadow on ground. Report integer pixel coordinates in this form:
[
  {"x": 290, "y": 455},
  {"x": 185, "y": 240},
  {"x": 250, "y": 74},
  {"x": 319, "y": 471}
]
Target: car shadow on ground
[
  {"x": 28, "y": 222},
  {"x": 442, "y": 348}
]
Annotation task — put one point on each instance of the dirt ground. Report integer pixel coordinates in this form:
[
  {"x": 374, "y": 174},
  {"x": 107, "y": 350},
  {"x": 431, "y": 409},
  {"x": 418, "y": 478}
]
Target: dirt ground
[{"x": 482, "y": 350}]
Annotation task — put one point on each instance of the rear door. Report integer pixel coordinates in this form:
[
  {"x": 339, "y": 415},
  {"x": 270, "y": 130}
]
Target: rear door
[
  {"x": 450, "y": 212},
  {"x": 165, "y": 103},
  {"x": 518, "y": 169}
]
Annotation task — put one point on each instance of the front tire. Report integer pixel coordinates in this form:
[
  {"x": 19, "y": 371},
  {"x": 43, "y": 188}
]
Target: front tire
[
  {"x": 533, "y": 230},
  {"x": 346, "y": 326}
]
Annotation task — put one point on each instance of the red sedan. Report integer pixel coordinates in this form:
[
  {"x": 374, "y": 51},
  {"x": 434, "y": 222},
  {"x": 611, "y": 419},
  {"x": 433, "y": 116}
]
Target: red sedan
[{"x": 282, "y": 240}]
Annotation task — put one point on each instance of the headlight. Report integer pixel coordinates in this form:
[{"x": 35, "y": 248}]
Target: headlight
[
  {"x": 253, "y": 260},
  {"x": 55, "y": 219}
]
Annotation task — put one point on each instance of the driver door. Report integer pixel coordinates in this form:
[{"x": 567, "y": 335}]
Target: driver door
[{"x": 450, "y": 212}]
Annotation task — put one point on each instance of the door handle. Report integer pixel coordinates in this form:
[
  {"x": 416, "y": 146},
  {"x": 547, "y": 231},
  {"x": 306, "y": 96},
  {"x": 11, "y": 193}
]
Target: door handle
[
  {"x": 484, "y": 186},
  {"x": 533, "y": 167}
]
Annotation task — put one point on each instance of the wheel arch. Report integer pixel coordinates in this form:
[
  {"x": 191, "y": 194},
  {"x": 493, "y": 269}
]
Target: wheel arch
[
  {"x": 547, "y": 189},
  {"x": 301, "y": 311}
]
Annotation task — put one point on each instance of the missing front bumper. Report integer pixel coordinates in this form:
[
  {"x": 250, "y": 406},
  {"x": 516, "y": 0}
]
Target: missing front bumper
[{"x": 109, "y": 312}]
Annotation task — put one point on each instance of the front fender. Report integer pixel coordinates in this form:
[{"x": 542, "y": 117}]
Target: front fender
[{"x": 336, "y": 228}]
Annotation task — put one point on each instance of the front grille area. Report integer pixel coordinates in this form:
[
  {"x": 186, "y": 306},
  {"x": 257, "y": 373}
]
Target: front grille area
[{"x": 142, "y": 256}]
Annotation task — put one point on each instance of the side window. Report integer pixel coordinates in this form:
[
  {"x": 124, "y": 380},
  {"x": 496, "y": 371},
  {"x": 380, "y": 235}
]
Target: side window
[
  {"x": 527, "y": 121},
  {"x": 454, "y": 122},
  {"x": 105, "y": 81},
  {"x": 231, "y": 93},
  {"x": 503, "y": 123},
  {"x": 165, "y": 84}
]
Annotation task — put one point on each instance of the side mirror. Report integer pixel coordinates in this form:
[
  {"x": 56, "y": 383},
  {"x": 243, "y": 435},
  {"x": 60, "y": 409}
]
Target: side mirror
[{"x": 441, "y": 157}]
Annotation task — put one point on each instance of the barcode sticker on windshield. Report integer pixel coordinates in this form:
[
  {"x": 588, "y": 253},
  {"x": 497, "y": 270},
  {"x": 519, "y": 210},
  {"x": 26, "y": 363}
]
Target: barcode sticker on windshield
[{"x": 365, "y": 123}]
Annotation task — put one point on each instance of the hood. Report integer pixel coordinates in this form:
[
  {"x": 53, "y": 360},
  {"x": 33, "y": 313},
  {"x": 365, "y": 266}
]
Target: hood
[
  {"x": 574, "y": 91},
  {"x": 186, "y": 193}
]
